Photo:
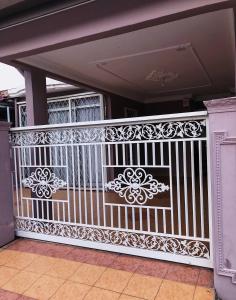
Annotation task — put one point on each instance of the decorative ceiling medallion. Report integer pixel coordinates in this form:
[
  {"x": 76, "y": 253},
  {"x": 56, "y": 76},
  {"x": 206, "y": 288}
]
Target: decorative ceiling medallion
[
  {"x": 162, "y": 76},
  {"x": 136, "y": 186},
  {"x": 43, "y": 183}
]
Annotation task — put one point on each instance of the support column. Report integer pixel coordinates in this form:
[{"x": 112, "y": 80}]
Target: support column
[
  {"x": 6, "y": 198},
  {"x": 222, "y": 123},
  {"x": 37, "y": 114},
  {"x": 36, "y": 97}
]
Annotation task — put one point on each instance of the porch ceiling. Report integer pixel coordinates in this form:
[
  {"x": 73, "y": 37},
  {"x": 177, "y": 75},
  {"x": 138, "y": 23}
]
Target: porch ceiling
[{"x": 192, "y": 55}]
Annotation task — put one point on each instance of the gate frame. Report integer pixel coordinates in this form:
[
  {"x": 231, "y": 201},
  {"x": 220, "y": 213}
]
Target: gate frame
[{"x": 122, "y": 249}]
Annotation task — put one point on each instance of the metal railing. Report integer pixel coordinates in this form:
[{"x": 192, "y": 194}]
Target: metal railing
[{"x": 138, "y": 184}]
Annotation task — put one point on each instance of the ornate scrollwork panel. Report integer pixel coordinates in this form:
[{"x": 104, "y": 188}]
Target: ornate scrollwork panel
[
  {"x": 114, "y": 237},
  {"x": 43, "y": 183},
  {"x": 155, "y": 131},
  {"x": 136, "y": 186}
]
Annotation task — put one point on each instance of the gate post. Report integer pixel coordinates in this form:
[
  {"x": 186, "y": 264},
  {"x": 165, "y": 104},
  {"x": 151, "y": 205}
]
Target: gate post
[
  {"x": 6, "y": 197},
  {"x": 222, "y": 127}
]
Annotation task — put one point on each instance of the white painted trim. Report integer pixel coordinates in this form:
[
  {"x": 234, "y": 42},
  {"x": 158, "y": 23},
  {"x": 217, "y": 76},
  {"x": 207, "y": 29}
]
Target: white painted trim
[{"x": 155, "y": 118}]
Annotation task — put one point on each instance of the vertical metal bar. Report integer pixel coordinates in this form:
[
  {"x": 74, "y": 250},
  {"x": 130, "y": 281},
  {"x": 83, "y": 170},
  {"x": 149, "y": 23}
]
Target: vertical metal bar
[
  {"x": 133, "y": 217},
  {"x": 40, "y": 155},
  {"x": 84, "y": 181},
  {"x": 30, "y": 156},
  {"x": 111, "y": 212},
  {"x": 193, "y": 189},
  {"x": 42, "y": 209},
  {"x": 123, "y": 154},
  {"x": 145, "y": 153},
  {"x": 178, "y": 188},
  {"x": 90, "y": 184},
  {"x": 119, "y": 221},
  {"x": 164, "y": 220},
  {"x": 35, "y": 161},
  {"x": 73, "y": 179},
  {"x": 79, "y": 185},
  {"x": 201, "y": 188},
  {"x": 53, "y": 212},
  {"x": 20, "y": 177},
  {"x": 141, "y": 218},
  {"x": 8, "y": 114},
  {"x": 138, "y": 154},
  {"x": 171, "y": 188},
  {"x": 68, "y": 184},
  {"x": 156, "y": 220},
  {"x": 161, "y": 153},
  {"x": 131, "y": 153},
  {"x": 45, "y": 155},
  {"x": 50, "y": 156},
  {"x": 109, "y": 154},
  {"x": 153, "y": 154},
  {"x": 58, "y": 212},
  {"x": 47, "y": 205},
  {"x": 16, "y": 182},
  {"x": 37, "y": 208},
  {"x": 185, "y": 189},
  {"x": 70, "y": 111},
  {"x": 116, "y": 154},
  {"x": 148, "y": 219},
  {"x": 103, "y": 180},
  {"x": 63, "y": 210},
  {"x": 27, "y": 206},
  {"x": 126, "y": 218},
  {"x": 97, "y": 185}
]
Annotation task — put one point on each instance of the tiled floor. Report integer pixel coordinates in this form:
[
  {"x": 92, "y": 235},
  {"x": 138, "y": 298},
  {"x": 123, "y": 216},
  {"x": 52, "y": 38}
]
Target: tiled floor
[{"x": 37, "y": 270}]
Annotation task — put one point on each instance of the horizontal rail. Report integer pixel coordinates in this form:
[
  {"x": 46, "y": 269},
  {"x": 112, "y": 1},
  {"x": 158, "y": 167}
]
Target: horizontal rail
[{"x": 123, "y": 121}]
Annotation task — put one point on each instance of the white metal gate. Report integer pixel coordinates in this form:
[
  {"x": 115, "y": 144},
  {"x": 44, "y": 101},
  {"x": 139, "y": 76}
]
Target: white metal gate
[{"x": 149, "y": 196}]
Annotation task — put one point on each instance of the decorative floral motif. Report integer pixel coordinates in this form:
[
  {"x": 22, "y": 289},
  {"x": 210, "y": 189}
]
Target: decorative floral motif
[
  {"x": 136, "y": 186},
  {"x": 162, "y": 76},
  {"x": 43, "y": 182},
  {"x": 155, "y": 131},
  {"x": 121, "y": 238}
]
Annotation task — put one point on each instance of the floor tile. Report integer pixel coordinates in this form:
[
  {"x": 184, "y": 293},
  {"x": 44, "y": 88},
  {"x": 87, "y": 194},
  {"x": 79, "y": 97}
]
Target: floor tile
[
  {"x": 87, "y": 274},
  {"x": 6, "y": 274},
  {"x": 126, "y": 263},
  {"x": 153, "y": 267},
  {"x": 91, "y": 256},
  {"x": 40, "y": 247},
  {"x": 79, "y": 254},
  {"x": 114, "y": 280},
  {"x": 21, "y": 260},
  {"x": 41, "y": 265},
  {"x": 127, "y": 297},
  {"x": 101, "y": 258},
  {"x": 22, "y": 297},
  {"x": 58, "y": 251},
  {"x": 63, "y": 268},
  {"x": 20, "y": 282},
  {"x": 44, "y": 288},
  {"x": 71, "y": 290},
  {"x": 100, "y": 294},
  {"x": 143, "y": 286},
  {"x": 6, "y": 255},
  {"x": 5, "y": 295},
  {"x": 24, "y": 245},
  {"x": 206, "y": 278},
  {"x": 172, "y": 290},
  {"x": 202, "y": 293},
  {"x": 182, "y": 273}
]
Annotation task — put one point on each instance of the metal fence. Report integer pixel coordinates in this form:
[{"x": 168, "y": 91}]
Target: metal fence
[{"x": 147, "y": 196}]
